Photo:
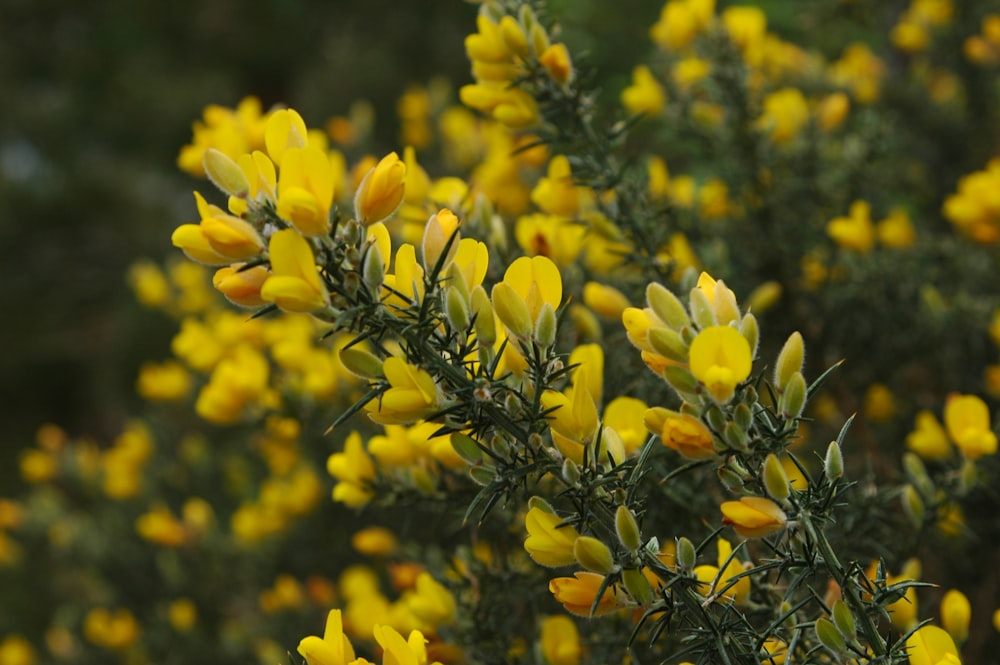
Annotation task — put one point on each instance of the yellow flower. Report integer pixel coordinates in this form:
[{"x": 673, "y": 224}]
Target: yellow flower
[
  {"x": 556, "y": 193},
  {"x": 332, "y": 649},
  {"x": 645, "y": 95},
  {"x": 605, "y": 300},
  {"x": 930, "y": 645},
  {"x": 560, "y": 641},
  {"x": 557, "y": 63},
  {"x": 548, "y": 543},
  {"x": 396, "y": 650},
  {"x": 727, "y": 583},
  {"x": 689, "y": 71},
  {"x": 305, "y": 190},
  {"x": 412, "y": 394},
  {"x": 354, "y": 469},
  {"x": 15, "y": 650},
  {"x": 556, "y": 237},
  {"x": 381, "y": 191},
  {"x": 431, "y": 602},
  {"x": 577, "y": 593},
  {"x": 375, "y": 541},
  {"x": 832, "y": 110},
  {"x": 896, "y": 230},
  {"x": 879, "y": 403},
  {"x": 110, "y": 630},
  {"x": 720, "y": 358},
  {"x": 528, "y": 284},
  {"x": 168, "y": 381},
  {"x": 573, "y": 419},
  {"x": 241, "y": 286},
  {"x": 285, "y": 129},
  {"x": 785, "y": 114},
  {"x": 754, "y": 516},
  {"x": 219, "y": 238},
  {"x": 294, "y": 285},
  {"x": 967, "y": 420},
  {"x": 928, "y": 438},
  {"x": 955, "y": 614},
  {"x": 624, "y": 415},
  {"x": 854, "y": 232},
  {"x": 681, "y": 432}
]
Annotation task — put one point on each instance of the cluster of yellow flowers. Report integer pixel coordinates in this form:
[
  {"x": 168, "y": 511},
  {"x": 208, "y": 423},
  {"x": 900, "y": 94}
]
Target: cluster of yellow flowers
[{"x": 478, "y": 323}]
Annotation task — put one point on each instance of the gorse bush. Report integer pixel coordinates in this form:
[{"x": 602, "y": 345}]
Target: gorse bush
[{"x": 701, "y": 372}]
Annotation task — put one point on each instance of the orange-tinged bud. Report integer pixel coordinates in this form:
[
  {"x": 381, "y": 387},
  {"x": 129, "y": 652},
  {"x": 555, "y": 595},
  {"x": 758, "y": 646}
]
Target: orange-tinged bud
[
  {"x": 241, "y": 286},
  {"x": 557, "y": 62}
]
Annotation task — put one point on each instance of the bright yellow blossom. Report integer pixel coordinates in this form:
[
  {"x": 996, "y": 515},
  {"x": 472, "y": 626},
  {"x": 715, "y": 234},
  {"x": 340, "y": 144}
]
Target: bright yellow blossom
[
  {"x": 577, "y": 594},
  {"x": 381, "y": 190},
  {"x": 967, "y": 419},
  {"x": 332, "y": 649},
  {"x": 560, "y": 641},
  {"x": 720, "y": 358},
  {"x": 294, "y": 285},
  {"x": 305, "y": 190},
  {"x": 928, "y": 438},
  {"x": 754, "y": 516},
  {"x": 412, "y": 394},
  {"x": 354, "y": 469},
  {"x": 930, "y": 645},
  {"x": 645, "y": 95},
  {"x": 549, "y": 542}
]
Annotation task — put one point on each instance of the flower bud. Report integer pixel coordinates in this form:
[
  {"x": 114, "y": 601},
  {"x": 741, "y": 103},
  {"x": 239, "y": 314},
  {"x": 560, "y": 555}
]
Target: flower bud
[
  {"x": 725, "y": 306},
  {"x": 955, "y": 615},
  {"x": 545, "y": 326},
  {"x": 743, "y": 416},
  {"x": 668, "y": 343},
  {"x": 915, "y": 470},
  {"x": 687, "y": 557},
  {"x": 735, "y": 436},
  {"x": 514, "y": 37},
  {"x": 241, "y": 286},
  {"x": 512, "y": 310},
  {"x": 456, "y": 309},
  {"x": 485, "y": 325},
  {"x": 627, "y": 529},
  {"x": 701, "y": 309},
  {"x": 913, "y": 506},
  {"x": 638, "y": 586},
  {"x": 466, "y": 447},
  {"x": 571, "y": 472},
  {"x": 483, "y": 474},
  {"x": 844, "y": 619},
  {"x": 833, "y": 463},
  {"x": 715, "y": 417},
  {"x": 968, "y": 476},
  {"x": 557, "y": 63},
  {"x": 541, "y": 504},
  {"x": 790, "y": 360},
  {"x": 361, "y": 363},
  {"x": 225, "y": 173},
  {"x": 667, "y": 306},
  {"x": 440, "y": 228},
  {"x": 593, "y": 555},
  {"x": 829, "y": 636},
  {"x": 682, "y": 381},
  {"x": 373, "y": 268},
  {"x": 751, "y": 332},
  {"x": 730, "y": 479},
  {"x": 775, "y": 478},
  {"x": 381, "y": 191},
  {"x": 793, "y": 400}
]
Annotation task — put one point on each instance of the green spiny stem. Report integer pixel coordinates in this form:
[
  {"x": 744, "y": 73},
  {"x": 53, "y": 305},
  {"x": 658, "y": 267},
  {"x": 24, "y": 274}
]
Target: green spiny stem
[{"x": 847, "y": 586}]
